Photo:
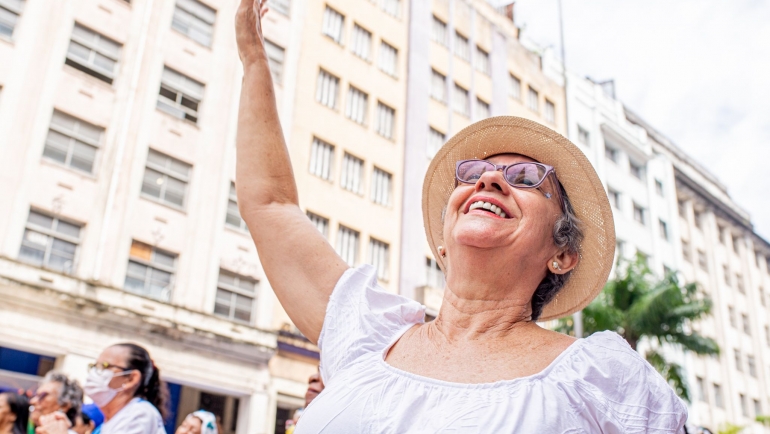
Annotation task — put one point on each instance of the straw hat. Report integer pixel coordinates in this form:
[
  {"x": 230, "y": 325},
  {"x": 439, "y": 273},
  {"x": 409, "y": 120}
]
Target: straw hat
[{"x": 508, "y": 134}]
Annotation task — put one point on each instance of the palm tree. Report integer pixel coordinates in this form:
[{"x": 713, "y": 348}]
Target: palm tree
[{"x": 637, "y": 306}]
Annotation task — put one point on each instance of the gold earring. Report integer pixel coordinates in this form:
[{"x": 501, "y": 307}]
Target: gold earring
[{"x": 556, "y": 265}]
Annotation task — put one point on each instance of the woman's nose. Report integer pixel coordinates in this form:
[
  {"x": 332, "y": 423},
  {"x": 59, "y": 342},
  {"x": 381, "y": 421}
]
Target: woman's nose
[{"x": 491, "y": 180}]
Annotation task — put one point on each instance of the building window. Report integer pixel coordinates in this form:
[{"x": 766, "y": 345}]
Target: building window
[
  {"x": 744, "y": 406},
  {"x": 615, "y": 198},
  {"x": 584, "y": 137},
  {"x": 434, "y": 277},
  {"x": 514, "y": 87},
  {"x": 702, "y": 260},
  {"x": 757, "y": 408},
  {"x": 462, "y": 47},
  {"x": 731, "y": 316},
  {"x": 686, "y": 251},
  {"x": 391, "y": 7},
  {"x": 482, "y": 109},
  {"x": 736, "y": 244},
  {"x": 611, "y": 154},
  {"x": 195, "y": 20},
  {"x": 92, "y": 53},
  {"x": 663, "y": 228},
  {"x": 235, "y": 296},
  {"x": 758, "y": 258},
  {"x": 482, "y": 61},
  {"x": 659, "y": 187},
  {"x": 739, "y": 283},
  {"x": 438, "y": 31},
  {"x": 356, "y": 106},
  {"x": 761, "y": 295},
  {"x": 386, "y": 117},
  {"x": 282, "y": 6},
  {"x": 620, "y": 248},
  {"x": 682, "y": 206},
  {"x": 361, "y": 42},
  {"x": 10, "y": 10},
  {"x": 50, "y": 242},
  {"x": 275, "y": 59},
  {"x": 639, "y": 214},
  {"x": 233, "y": 218},
  {"x": 701, "y": 389},
  {"x": 533, "y": 100},
  {"x": 550, "y": 112},
  {"x": 352, "y": 174},
  {"x": 332, "y": 24},
  {"x": 321, "y": 158},
  {"x": 347, "y": 245},
  {"x": 438, "y": 86},
  {"x": 72, "y": 142},
  {"x": 698, "y": 219},
  {"x": 379, "y": 257},
  {"x": 326, "y": 89},
  {"x": 320, "y": 223},
  {"x": 718, "y": 396},
  {"x": 461, "y": 100},
  {"x": 752, "y": 366},
  {"x": 436, "y": 140},
  {"x": 180, "y": 95},
  {"x": 388, "y": 59},
  {"x": 738, "y": 363},
  {"x": 381, "y": 186},
  {"x": 150, "y": 271},
  {"x": 637, "y": 171},
  {"x": 165, "y": 179},
  {"x": 746, "y": 324},
  {"x": 726, "y": 273}
]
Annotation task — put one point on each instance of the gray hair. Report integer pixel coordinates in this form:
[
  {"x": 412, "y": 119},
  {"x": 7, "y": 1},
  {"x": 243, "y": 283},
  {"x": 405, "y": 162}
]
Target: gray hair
[
  {"x": 567, "y": 234},
  {"x": 70, "y": 392}
]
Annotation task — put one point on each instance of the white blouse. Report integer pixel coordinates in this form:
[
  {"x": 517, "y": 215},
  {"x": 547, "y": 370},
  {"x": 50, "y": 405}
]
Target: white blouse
[
  {"x": 137, "y": 417},
  {"x": 598, "y": 384}
]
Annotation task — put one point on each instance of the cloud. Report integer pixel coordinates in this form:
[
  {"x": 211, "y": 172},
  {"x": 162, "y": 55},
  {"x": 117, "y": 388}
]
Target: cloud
[{"x": 698, "y": 70}]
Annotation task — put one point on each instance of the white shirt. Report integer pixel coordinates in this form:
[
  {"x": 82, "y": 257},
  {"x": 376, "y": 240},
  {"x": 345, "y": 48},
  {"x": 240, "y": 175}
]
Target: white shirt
[
  {"x": 137, "y": 417},
  {"x": 597, "y": 385}
]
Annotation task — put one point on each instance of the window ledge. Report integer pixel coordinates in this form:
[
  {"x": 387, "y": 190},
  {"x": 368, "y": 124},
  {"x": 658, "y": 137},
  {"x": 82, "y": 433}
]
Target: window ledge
[
  {"x": 82, "y": 175},
  {"x": 159, "y": 202}
]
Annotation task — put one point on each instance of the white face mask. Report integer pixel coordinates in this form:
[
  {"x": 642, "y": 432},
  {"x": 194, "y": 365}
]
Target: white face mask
[{"x": 98, "y": 388}]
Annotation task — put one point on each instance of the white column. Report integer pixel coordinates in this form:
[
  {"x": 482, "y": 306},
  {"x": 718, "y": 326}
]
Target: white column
[{"x": 255, "y": 414}]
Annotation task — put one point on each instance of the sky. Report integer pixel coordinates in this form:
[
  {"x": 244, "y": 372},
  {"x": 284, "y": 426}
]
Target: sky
[{"x": 697, "y": 70}]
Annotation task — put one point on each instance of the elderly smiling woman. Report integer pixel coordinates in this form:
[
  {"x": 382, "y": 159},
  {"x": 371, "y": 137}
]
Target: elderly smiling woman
[{"x": 520, "y": 223}]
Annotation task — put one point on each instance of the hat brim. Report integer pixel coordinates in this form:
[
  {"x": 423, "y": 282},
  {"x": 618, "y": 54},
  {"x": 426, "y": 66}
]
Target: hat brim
[{"x": 514, "y": 135}]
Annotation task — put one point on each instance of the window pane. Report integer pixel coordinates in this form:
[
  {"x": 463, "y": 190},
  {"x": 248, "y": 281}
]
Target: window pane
[
  {"x": 31, "y": 254},
  {"x": 175, "y": 191},
  {"x": 162, "y": 258},
  {"x": 40, "y": 220},
  {"x": 243, "y": 307},
  {"x": 83, "y": 157},
  {"x": 56, "y": 146},
  {"x": 136, "y": 270},
  {"x": 152, "y": 182}
]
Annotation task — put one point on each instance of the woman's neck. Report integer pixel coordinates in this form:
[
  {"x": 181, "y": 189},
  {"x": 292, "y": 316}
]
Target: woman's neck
[
  {"x": 6, "y": 427},
  {"x": 114, "y": 406}
]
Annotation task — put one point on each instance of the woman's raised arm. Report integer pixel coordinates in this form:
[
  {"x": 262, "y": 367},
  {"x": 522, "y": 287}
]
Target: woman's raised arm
[{"x": 301, "y": 266}]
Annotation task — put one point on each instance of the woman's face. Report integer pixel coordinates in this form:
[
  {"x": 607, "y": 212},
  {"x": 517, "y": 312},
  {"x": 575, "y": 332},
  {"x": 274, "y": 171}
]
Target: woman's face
[
  {"x": 6, "y": 416},
  {"x": 46, "y": 401},
  {"x": 527, "y": 230},
  {"x": 116, "y": 358},
  {"x": 191, "y": 425}
]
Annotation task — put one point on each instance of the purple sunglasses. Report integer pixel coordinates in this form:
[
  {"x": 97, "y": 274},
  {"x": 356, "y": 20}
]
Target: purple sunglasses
[{"x": 517, "y": 175}]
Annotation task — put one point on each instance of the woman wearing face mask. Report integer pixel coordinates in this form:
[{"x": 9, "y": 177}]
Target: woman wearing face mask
[{"x": 125, "y": 384}]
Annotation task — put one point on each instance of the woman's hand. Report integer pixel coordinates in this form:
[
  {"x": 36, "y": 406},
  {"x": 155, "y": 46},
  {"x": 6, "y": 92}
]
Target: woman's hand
[
  {"x": 54, "y": 423},
  {"x": 248, "y": 29}
]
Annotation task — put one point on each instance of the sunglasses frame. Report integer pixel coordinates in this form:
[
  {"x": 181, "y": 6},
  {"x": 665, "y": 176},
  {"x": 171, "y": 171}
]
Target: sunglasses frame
[{"x": 549, "y": 170}]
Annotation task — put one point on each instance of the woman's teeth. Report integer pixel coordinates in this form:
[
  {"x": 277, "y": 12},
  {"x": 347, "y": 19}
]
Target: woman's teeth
[{"x": 487, "y": 206}]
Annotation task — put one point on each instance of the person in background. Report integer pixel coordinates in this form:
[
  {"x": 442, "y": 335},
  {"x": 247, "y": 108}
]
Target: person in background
[
  {"x": 125, "y": 384},
  {"x": 89, "y": 419},
  {"x": 14, "y": 413},
  {"x": 199, "y": 422},
  {"x": 56, "y": 393},
  {"x": 315, "y": 385}
]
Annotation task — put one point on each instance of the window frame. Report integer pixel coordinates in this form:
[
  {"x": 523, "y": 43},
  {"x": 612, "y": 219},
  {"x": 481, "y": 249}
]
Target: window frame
[
  {"x": 348, "y": 181},
  {"x": 328, "y": 26},
  {"x": 51, "y": 234},
  {"x": 378, "y": 190},
  {"x": 327, "y": 165},
  {"x": 356, "y": 239},
  {"x": 166, "y": 172},
  {"x": 320, "y": 222},
  {"x": 324, "y": 95},
  {"x": 437, "y": 24},
  {"x": 460, "y": 91},
  {"x": 196, "y": 21},
  {"x": 386, "y": 121},
  {"x": 361, "y": 50},
  {"x": 383, "y": 58},
  {"x": 357, "y": 100},
  {"x": 73, "y": 137},
  {"x": 235, "y": 291},
  {"x": 150, "y": 266},
  {"x": 233, "y": 198},
  {"x": 90, "y": 67},
  {"x": 172, "y": 108},
  {"x": 377, "y": 246}
]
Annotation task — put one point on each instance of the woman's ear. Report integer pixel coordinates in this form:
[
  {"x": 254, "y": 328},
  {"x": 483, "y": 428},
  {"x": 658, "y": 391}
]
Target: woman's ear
[
  {"x": 563, "y": 262},
  {"x": 133, "y": 381}
]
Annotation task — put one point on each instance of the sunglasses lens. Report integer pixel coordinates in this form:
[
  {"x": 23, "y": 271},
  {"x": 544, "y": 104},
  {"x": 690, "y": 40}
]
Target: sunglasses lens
[
  {"x": 471, "y": 171},
  {"x": 525, "y": 174}
]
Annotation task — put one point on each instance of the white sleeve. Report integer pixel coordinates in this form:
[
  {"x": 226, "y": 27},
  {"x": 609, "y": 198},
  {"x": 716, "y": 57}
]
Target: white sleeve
[
  {"x": 362, "y": 318},
  {"x": 623, "y": 393}
]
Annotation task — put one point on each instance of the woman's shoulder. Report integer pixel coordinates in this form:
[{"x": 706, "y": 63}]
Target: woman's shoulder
[{"x": 618, "y": 382}]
